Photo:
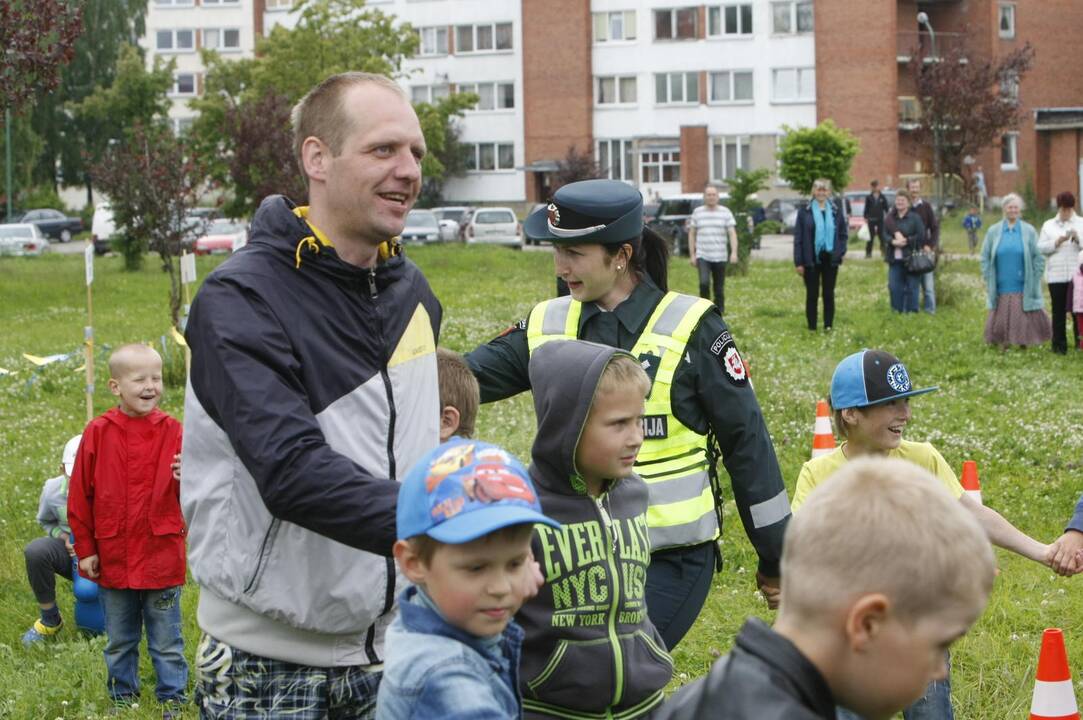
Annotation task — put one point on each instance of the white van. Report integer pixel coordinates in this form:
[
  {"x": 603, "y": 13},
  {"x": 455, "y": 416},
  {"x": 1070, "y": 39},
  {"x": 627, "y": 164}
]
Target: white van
[{"x": 102, "y": 228}]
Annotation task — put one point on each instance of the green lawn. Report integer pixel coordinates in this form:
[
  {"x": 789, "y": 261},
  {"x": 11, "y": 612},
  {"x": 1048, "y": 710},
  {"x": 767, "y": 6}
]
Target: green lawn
[{"x": 1016, "y": 413}]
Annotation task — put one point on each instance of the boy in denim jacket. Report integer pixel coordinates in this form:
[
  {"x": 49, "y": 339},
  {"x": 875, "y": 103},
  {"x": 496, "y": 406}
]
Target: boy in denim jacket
[{"x": 465, "y": 520}]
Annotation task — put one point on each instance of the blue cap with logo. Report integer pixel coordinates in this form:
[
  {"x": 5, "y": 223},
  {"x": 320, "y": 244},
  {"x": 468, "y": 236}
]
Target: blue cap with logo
[
  {"x": 465, "y": 489},
  {"x": 609, "y": 212},
  {"x": 871, "y": 377}
]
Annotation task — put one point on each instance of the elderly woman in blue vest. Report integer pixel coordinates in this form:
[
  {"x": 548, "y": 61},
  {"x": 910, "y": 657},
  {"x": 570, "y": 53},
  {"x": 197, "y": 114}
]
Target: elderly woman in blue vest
[
  {"x": 1012, "y": 267},
  {"x": 819, "y": 242},
  {"x": 616, "y": 272}
]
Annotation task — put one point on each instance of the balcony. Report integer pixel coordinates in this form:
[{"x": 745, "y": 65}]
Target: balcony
[
  {"x": 909, "y": 113},
  {"x": 913, "y": 43}
]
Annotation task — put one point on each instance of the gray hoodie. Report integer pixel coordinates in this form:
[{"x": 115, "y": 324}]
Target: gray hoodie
[{"x": 590, "y": 648}]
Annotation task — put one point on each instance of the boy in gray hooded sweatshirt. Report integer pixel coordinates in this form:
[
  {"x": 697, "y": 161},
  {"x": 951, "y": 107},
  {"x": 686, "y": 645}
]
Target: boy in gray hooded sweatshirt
[{"x": 590, "y": 648}]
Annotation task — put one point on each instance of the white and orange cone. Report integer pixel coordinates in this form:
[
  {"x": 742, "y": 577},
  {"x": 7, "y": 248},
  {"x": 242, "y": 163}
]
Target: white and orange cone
[
  {"x": 1054, "y": 697},
  {"x": 823, "y": 440},
  {"x": 971, "y": 484}
]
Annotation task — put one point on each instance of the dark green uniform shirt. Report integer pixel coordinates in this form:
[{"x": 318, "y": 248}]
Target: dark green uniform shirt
[{"x": 705, "y": 395}]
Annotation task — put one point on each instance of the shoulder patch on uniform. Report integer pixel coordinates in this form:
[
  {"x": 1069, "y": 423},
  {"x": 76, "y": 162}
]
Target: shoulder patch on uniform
[
  {"x": 729, "y": 358},
  {"x": 721, "y": 342},
  {"x": 521, "y": 325}
]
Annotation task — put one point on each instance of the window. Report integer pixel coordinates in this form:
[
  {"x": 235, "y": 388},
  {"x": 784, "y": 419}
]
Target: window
[
  {"x": 219, "y": 3},
  {"x": 615, "y": 90},
  {"x": 614, "y": 26},
  {"x": 181, "y": 125},
  {"x": 428, "y": 93},
  {"x": 1009, "y": 87},
  {"x": 672, "y": 88},
  {"x": 1006, "y": 22},
  {"x": 482, "y": 38},
  {"x": 491, "y": 96},
  {"x": 487, "y": 157},
  {"x": 222, "y": 38},
  {"x": 173, "y": 3},
  {"x": 730, "y": 86},
  {"x": 184, "y": 84},
  {"x": 615, "y": 159},
  {"x": 660, "y": 166},
  {"x": 676, "y": 24},
  {"x": 793, "y": 84},
  {"x": 1009, "y": 151},
  {"x": 176, "y": 40},
  {"x": 433, "y": 40},
  {"x": 729, "y": 20},
  {"x": 791, "y": 17},
  {"x": 280, "y": 4},
  {"x": 729, "y": 154}
]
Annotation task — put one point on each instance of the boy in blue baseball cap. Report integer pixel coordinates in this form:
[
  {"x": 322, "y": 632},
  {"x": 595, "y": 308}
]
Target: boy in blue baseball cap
[
  {"x": 870, "y": 396},
  {"x": 465, "y": 519}
]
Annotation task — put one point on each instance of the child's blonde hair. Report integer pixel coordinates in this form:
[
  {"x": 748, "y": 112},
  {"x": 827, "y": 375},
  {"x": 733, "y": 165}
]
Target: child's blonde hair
[
  {"x": 458, "y": 388},
  {"x": 121, "y": 359},
  {"x": 623, "y": 372},
  {"x": 882, "y": 525}
]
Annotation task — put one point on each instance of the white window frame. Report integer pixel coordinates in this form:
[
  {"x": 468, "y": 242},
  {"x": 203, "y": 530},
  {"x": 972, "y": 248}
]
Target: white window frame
[
  {"x": 473, "y": 164},
  {"x": 279, "y": 5},
  {"x": 220, "y": 3},
  {"x": 221, "y": 47},
  {"x": 434, "y": 32},
  {"x": 170, "y": 4},
  {"x": 673, "y": 23},
  {"x": 474, "y": 38},
  {"x": 1009, "y": 141},
  {"x": 494, "y": 89},
  {"x": 665, "y": 159},
  {"x": 793, "y": 5},
  {"x": 433, "y": 93},
  {"x": 181, "y": 124},
  {"x": 625, "y": 159},
  {"x": 173, "y": 49},
  {"x": 1006, "y": 9},
  {"x": 602, "y": 23},
  {"x": 744, "y": 155},
  {"x": 720, "y": 11},
  {"x": 684, "y": 88},
  {"x": 175, "y": 91},
  {"x": 618, "y": 91},
  {"x": 732, "y": 86},
  {"x": 799, "y": 73}
]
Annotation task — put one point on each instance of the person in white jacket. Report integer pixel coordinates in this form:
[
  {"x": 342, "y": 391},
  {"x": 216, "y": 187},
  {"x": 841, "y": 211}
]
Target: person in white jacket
[{"x": 1060, "y": 241}]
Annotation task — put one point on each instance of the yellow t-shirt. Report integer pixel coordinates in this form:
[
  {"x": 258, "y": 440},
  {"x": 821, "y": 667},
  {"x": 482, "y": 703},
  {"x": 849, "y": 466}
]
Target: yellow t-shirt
[{"x": 923, "y": 455}]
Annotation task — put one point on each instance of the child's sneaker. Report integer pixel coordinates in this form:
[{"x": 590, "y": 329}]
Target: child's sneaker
[{"x": 39, "y": 632}]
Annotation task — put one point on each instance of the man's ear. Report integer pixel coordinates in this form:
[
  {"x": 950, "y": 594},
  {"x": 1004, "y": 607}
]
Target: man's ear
[
  {"x": 410, "y": 563},
  {"x": 866, "y": 619},
  {"x": 314, "y": 156},
  {"x": 449, "y": 422}
]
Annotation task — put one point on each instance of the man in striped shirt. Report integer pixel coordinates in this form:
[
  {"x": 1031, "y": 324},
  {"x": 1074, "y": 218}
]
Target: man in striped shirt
[{"x": 712, "y": 241}]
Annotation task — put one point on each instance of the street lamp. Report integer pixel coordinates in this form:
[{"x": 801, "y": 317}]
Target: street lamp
[{"x": 923, "y": 19}]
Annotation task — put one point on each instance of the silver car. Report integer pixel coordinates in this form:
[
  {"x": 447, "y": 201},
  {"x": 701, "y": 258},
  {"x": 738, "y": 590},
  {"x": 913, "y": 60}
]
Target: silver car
[
  {"x": 421, "y": 227},
  {"x": 22, "y": 239},
  {"x": 496, "y": 225}
]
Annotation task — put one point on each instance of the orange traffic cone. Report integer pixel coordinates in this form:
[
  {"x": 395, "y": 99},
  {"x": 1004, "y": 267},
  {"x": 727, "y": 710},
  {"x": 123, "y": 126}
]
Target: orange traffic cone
[
  {"x": 823, "y": 440},
  {"x": 1054, "y": 698},
  {"x": 971, "y": 484}
]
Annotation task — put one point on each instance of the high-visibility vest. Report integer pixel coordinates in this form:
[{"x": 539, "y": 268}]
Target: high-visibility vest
[{"x": 674, "y": 459}]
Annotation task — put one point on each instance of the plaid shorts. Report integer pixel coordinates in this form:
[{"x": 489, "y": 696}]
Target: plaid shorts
[{"x": 234, "y": 685}]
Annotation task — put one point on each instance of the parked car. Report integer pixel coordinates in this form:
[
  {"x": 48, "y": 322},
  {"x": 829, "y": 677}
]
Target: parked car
[
  {"x": 102, "y": 228},
  {"x": 421, "y": 227},
  {"x": 533, "y": 209},
  {"x": 53, "y": 223},
  {"x": 671, "y": 220},
  {"x": 222, "y": 237},
  {"x": 22, "y": 239},
  {"x": 784, "y": 211},
  {"x": 453, "y": 220},
  {"x": 495, "y": 225},
  {"x": 857, "y": 206}
]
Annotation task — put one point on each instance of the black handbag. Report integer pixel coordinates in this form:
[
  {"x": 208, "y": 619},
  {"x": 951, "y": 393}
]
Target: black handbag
[{"x": 920, "y": 263}]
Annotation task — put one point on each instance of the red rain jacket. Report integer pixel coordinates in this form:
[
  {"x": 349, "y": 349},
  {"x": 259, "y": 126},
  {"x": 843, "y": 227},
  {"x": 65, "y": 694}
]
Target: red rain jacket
[{"x": 123, "y": 503}]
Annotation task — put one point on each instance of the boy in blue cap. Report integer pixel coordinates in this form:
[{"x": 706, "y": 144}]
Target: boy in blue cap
[{"x": 465, "y": 519}]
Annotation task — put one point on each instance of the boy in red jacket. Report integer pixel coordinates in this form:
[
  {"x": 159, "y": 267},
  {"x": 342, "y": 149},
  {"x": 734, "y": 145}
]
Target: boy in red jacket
[{"x": 124, "y": 511}]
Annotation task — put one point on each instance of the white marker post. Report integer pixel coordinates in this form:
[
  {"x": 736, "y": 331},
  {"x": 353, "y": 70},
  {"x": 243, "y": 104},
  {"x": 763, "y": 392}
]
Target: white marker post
[
  {"x": 188, "y": 276},
  {"x": 88, "y": 332}
]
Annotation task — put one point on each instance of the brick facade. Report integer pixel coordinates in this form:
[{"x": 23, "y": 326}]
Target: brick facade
[{"x": 694, "y": 158}]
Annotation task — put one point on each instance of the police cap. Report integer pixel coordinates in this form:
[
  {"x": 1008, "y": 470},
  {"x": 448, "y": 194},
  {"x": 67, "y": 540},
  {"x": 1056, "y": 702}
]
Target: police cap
[{"x": 608, "y": 212}]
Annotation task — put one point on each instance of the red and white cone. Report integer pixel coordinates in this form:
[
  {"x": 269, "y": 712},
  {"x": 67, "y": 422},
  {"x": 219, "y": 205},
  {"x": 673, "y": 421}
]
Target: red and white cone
[
  {"x": 970, "y": 482},
  {"x": 1054, "y": 696},
  {"x": 823, "y": 440}
]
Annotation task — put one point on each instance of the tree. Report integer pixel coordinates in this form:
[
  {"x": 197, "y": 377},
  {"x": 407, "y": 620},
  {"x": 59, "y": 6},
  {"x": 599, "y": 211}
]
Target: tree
[
  {"x": 742, "y": 186},
  {"x": 37, "y": 37},
  {"x": 970, "y": 101},
  {"x": 152, "y": 181},
  {"x": 825, "y": 151},
  {"x": 575, "y": 166},
  {"x": 447, "y": 156}
]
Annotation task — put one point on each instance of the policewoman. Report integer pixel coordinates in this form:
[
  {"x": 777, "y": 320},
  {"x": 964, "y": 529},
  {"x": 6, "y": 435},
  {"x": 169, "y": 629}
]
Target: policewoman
[{"x": 700, "y": 403}]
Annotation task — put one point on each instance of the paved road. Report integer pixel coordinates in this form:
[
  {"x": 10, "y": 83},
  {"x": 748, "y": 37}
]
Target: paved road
[{"x": 75, "y": 247}]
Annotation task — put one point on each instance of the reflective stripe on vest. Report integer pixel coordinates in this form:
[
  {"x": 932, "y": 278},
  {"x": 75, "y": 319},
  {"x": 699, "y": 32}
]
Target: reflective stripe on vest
[{"x": 681, "y": 508}]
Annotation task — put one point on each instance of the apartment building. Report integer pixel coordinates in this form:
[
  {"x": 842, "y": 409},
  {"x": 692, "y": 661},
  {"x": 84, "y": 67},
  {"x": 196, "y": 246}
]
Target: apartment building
[{"x": 668, "y": 96}]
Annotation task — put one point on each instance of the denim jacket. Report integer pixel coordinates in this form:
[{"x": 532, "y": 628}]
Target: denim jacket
[{"x": 434, "y": 671}]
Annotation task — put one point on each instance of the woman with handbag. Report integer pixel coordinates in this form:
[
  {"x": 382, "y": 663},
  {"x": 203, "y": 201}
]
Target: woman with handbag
[
  {"x": 1012, "y": 267},
  {"x": 819, "y": 242},
  {"x": 903, "y": 234}
]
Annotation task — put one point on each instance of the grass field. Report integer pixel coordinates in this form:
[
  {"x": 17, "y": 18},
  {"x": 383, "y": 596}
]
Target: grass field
[{"x": 1016, "y": 413}]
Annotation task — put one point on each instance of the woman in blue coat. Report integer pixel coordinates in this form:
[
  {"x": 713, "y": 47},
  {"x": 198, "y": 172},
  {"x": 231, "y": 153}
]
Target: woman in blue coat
[{"x": 819, "y": 242}]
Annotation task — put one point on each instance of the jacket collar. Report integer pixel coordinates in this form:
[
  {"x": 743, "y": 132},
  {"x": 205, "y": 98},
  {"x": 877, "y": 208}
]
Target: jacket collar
[
  {"x": 117, "y": 417},
  {"x": 418, "y": 618},
  {"x": 636, "y": 308},
  {"x": 757, "y": 639}
]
